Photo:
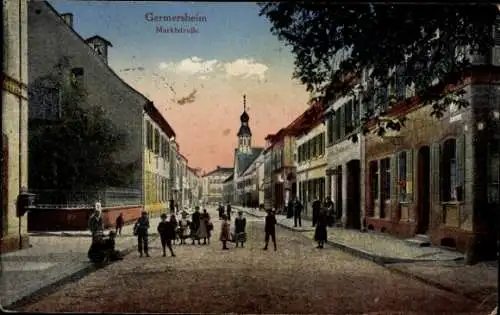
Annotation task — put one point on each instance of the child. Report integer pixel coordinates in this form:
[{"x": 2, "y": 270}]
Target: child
[
  {"x": 183, "y": 228},
  {"x": 167, "y": 234},
  {"x": 225, "y": 233},
  {"x": 109, "y": 246}
]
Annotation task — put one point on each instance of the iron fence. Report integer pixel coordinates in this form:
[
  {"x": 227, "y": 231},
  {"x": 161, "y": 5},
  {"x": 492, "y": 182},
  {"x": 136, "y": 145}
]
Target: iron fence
[{"x": 110, "y": 197}]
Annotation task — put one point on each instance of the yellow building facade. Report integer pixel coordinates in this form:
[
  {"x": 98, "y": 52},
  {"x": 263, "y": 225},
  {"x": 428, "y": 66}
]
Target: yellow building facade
[
  {"x": 14, "y": 124},
  {"x": 158, "y": 141}
]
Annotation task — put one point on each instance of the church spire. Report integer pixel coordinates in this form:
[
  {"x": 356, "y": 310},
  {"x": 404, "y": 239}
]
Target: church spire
[
  {"x": 244, "y": 103},
  {"x": 244, "y": 134}
]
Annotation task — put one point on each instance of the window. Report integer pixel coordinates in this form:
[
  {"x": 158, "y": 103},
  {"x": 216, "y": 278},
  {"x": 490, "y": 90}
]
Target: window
[
  {"x": 314, "y": 146},
  {"x": 449, "y": 167},
  {"x": 385, "y": 171},
  {"x": 355, "y": 113},
  {"x": 156, "y": 141},
  {"x": 77, "y": 77},
  {"x": 322, "y": 144},
  {"x": 330, "y": 129},
  {"x": 402, "y": 160},
  {"x": 46, "y": 104},
  {"x": 494, "y": 171},
  {"x": 337, "y": 126},
  {"x": 348, "y": 117},
  {"x": 374, "y": 181},
  {"x": 149, "y": 135}
]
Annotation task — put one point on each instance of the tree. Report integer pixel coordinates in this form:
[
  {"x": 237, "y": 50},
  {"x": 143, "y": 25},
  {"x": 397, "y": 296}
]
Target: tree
[
  {"x": 75, "y": 149},
  {"x": 383, "y": 37}
]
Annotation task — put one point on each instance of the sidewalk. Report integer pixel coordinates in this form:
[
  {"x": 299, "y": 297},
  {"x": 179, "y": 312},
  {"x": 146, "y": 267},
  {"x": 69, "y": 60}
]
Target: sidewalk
[
  {"x": 52, "y": 260},
  {"x": 381, "y": 248}
]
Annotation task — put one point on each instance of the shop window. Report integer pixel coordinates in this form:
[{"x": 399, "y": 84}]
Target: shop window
[
  {"x": 402, "y": 177},
  {"x": 449, "y": 174}
]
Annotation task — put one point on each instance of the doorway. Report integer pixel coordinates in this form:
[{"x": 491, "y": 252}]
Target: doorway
[
  {"x": 423, "y": 190},
  {"x": 353, "y": 194},
  {"x": 338, "y": 195}
]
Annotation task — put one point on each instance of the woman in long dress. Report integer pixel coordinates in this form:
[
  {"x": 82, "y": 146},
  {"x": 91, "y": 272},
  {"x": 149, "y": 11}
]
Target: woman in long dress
[
  {"x": 225, "y": 234},
  {"x": 320, "y": 235},
  {"x": 202, "y": 228}
]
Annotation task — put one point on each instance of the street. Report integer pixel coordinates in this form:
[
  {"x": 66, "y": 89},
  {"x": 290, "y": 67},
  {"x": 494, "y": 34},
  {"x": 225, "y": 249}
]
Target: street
[{"x": 298, "y": 278}]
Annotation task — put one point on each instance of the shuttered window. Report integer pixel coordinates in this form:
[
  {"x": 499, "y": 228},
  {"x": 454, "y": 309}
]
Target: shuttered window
[
  {"x": 330, "y": 129},
  {"x": 494, "y": 171},
  {"x": 374, "y": 187},
  {"x": 385, "y": 171},
  {"x": 449, "y": 170}
]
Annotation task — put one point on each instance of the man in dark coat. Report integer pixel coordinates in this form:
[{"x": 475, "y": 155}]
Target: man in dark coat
[
  {"x": 141, "y": 230},
  {"x": 120, "y": 221},
  {"x": 240, "y": 224},
  {"x": 221, "y": 211},
  {"x": 316, "y": 207},
  {"x": 228, "y": 211},
  {"x": 166, "y": 229},
  {"x": 195, "y": 224},
  {"x": 297, "y": 212},
  {"x": 270, "y": 229},
  {"x": 289, "y": 209},
  {"x": 320, "y": 234}
]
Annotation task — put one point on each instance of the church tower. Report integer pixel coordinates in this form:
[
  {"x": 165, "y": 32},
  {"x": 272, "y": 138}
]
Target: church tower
[{"x": 244, "y": 134}]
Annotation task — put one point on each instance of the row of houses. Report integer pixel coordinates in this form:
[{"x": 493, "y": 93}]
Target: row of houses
[
  {"x": 436, "y": 177},
  {"x": 60, "y": 61}
]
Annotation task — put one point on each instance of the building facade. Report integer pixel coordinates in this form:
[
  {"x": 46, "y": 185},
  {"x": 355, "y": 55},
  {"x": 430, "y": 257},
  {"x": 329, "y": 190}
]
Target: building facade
[
  {"x": 14, "y": 118},
  {"x": 79, "y": 63},
  {"x": 311, "y": 164},
  {"x": 213, "y": 183},
  {"x": 439, "y": 177},
  {"x": 248, "y": 189},
  {"x": 228, "y": 190},
  {"x": 158, "y": 139},
  {"x": 267, "y": 185},
  {"x": 344, "y": 177}
]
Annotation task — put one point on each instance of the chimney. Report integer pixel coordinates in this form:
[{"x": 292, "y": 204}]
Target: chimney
[{"x": 68, "y": 18}]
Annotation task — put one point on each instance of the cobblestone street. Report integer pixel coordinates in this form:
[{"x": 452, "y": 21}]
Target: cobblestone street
[{"x": 298, "y": 278}]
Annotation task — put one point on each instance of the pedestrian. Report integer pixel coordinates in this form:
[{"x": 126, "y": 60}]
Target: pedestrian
[
  {"x": 183, "y": 229},
  {"x": 228, "y": 210},
  {"x": 297, "y": 212},
  {"x": 119, "y": 224},
  {"x": 330, "y": 208},
  {"x": 289, "y": 209},
  {"x": 316, "y": 207},
  {"x": 239, "y": 229},
  {"x": 97, "y": 206},
  {"x": 270, "y": 228},
  {"x": 141, "y": 228},
  {"x": 195, "y": 225},
  {"x": 225, "y": 235},
  {"x": 320, "y": 234},
  {"x": 202, "y": 228},
  {"x": 221, "y": 211},
  {"x": 166, "y": 230},
  {"x": 96, "y": 226}
]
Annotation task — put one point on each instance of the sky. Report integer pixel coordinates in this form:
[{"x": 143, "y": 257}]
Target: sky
[{"x": 197, "y": 79}]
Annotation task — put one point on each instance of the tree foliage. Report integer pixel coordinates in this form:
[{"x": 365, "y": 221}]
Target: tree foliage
[
  {"x": 76, "y": 149},
  {"x": 382, "y": 37}
]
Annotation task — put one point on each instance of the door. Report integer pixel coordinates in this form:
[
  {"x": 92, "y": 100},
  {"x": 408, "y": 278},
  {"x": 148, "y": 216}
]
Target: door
[
  {"x": 354, "y": 194},
  {"x": 423, "y": 193},
  {"x": 338, "y": 201}
]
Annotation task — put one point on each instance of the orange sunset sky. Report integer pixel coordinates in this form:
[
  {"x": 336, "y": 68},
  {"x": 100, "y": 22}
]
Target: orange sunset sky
[{"x": 197, "y": 80}]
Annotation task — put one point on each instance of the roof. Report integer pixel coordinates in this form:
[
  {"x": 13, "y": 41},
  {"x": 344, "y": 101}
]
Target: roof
[
  {"x": 230, "y": 178},
  {"x": 158, "y": 118},
  {"x": 183, "y": 157},
  {"x": 99, "y": 37},
  {"x": 97, "y": 58},
  {"x": 310, "y": 118},
  {"x": 220, "y": 170},
  {"x": 244, "y": 160}
]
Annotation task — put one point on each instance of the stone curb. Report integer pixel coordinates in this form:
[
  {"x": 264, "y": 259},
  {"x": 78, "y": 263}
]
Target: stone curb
[
  {"x": 382, "y": 260},
  {"x": 55, "y": 286}
]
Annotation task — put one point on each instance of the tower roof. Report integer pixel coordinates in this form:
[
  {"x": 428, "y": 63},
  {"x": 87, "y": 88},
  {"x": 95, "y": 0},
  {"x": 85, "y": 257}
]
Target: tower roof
[
  {"x": 244, "y": 131},
  {"x": 244, "y": 118}
]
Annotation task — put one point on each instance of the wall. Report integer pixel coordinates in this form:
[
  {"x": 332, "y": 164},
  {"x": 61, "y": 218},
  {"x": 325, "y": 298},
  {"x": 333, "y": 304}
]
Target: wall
[
  {"x": 122, "y": 104},
  {"x": 76, "y": 219},
  {"x": 14, "y": 122},
  {"x": 453, "y": 219}
]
